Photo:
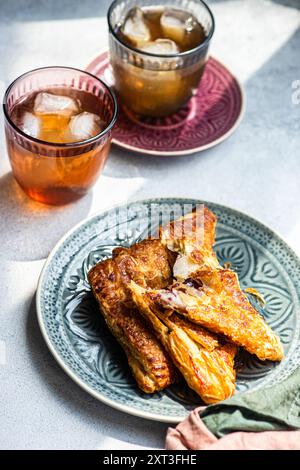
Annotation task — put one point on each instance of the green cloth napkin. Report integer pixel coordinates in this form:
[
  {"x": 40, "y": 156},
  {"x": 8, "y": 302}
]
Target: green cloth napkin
[{"x": 273, "y": 408}]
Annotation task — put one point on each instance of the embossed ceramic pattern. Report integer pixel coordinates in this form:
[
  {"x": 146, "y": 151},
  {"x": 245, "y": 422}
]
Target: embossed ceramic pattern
[
  {"x": 210, "y": 117},
  {"x": 80, "y": 341}
]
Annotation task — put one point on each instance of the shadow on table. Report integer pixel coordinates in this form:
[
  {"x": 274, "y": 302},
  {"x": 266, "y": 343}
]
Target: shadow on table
[
  {"x": 126, "y": 164},
  {"x": 31, "y": 10},
  {"x": 288, "y": 3},
  {"x": 80, "y": 403},
  {"x": 37, "y": 10},
  {"x": 29, "y": 229}
]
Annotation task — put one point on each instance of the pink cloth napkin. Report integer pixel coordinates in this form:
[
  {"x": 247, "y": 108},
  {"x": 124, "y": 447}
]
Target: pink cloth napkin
[{"x": 192, "y": 434}]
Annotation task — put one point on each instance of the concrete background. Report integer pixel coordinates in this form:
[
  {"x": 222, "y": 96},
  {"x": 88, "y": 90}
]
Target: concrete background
[{"x": 257, "y": 170}]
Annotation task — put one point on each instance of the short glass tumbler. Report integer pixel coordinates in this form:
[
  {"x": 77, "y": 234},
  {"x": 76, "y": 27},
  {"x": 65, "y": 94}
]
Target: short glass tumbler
[
  {"x": 58, "y": 173},
  {"x": 157, "y": 85}
]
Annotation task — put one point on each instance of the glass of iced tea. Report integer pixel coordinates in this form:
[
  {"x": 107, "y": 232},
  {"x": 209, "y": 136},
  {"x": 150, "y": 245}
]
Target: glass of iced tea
[
  {"x": 158, "y": 51},
  {"x": 58, "y": 125}
]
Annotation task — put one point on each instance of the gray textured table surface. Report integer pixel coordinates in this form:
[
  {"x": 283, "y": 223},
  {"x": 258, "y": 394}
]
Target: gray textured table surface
[{"x": 257, "y": 170}]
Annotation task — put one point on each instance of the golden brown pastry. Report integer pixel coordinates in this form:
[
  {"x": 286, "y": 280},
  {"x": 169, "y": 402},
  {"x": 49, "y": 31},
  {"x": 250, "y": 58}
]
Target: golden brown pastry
[
  {"x": 205, "y": 361},
  {"x": 193, "y": 237},
  {"x": 147, "y": 358},
  {"x": 148, "y": 263},
  {"x": 197, "y": 321},
  {"x": 210, "y": 295},
  {"x": 213, "y": 299}
]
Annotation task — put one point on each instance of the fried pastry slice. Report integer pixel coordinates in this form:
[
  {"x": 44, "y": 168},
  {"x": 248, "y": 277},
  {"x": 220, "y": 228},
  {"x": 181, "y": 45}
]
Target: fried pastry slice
[
  {"x": 205, "y": 361},
  {"x": 217, "y": 302},
  {"x": 200, "y": 335},
  {"x": 150, "y": 365},
  {"x": 148, "y": 263},
  {"x": 193, "y": 237}
]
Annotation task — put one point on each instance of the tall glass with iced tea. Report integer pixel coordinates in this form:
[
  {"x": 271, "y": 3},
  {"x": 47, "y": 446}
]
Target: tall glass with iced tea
[
  {"x": 158, "y": 51},
  {"x": 58, "y": 125}
]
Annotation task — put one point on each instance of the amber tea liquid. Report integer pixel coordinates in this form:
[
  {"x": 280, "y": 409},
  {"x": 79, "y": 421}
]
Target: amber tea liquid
[
  {"x": 56, "y": 174},
  {"x": 145, "y": 87}
]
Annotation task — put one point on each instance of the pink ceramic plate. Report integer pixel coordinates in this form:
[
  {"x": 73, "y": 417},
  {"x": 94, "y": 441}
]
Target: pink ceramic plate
[{"x": 210, "y": 117}]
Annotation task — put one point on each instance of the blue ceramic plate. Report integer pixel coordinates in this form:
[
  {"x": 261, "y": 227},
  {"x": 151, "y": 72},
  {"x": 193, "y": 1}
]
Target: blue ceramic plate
[{"x": 79, "y": 340}]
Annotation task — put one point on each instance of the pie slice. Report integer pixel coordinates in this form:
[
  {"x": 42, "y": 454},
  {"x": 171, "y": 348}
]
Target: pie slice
[
  {"x": 147, "y": 358},
  {"x": 214, "y": 300},
  {"x": 192, "y": 237},
  {"x": 209, "y": 295},
  {"x": 148, "y": 263},
  {"x": 204, "y": 359}
]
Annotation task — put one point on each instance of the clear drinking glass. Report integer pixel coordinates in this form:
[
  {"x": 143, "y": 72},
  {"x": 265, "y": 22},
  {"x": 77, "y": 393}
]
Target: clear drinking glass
[
  {"x": 58, "y": 173},
  {"x": 151, "y": 84}
]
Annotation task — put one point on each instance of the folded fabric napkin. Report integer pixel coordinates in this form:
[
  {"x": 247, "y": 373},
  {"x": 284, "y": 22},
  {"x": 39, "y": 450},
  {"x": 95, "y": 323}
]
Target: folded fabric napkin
[{"x": 266, "y": 419}]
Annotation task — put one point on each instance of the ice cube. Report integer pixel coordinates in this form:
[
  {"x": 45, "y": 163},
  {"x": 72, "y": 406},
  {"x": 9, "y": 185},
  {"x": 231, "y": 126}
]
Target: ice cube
[
  {"x": 176, "y": 23},
  {"x": 48, "y": 103},
  {"x": 30, "y": 124},
  {"x": 135, "y": 28},
  {"x": 84, "y": 126},
  {"x": 161, "y": 47}
]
